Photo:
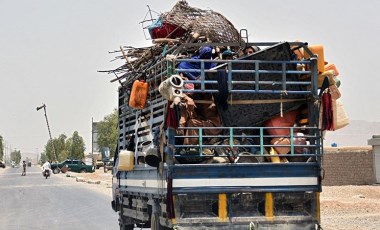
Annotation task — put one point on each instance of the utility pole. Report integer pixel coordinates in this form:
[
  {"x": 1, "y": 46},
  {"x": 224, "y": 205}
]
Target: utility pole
[
  {"x": 92, "y": 141},
  {"x": 43, "y": 106}
]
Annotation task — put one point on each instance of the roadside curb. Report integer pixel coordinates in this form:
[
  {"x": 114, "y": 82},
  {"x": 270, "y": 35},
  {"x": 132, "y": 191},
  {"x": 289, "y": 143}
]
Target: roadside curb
[
  {"x": 93, "y": 182},
  {"x": 106, "y": 184},
  {"x": 80, "y": 179},
  {"x": 88, "y": 181}
]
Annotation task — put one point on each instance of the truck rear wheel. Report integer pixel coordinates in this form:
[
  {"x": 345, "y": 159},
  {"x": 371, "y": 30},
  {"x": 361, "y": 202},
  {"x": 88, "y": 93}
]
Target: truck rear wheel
[
  {"x": 126, "y": 226},
  {"x": 56, "y": 170},
  {"x": 143, "y": 225},
  {"x": 82, "y": 171},
  {"x": 123, "y": 223}
]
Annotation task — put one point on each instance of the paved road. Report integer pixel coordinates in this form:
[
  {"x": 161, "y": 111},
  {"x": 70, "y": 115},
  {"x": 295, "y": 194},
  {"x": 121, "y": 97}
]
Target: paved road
[{"x": 33, "y": 202}]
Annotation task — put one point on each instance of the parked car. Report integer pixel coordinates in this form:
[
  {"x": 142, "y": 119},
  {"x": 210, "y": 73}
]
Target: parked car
[
  {"x": 2, "y": 164},
  {"x": 72, "y": 165}
]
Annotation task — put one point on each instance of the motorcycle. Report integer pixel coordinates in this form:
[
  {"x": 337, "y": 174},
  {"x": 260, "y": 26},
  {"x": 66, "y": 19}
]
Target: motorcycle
[{"x": 46, "y": 173}]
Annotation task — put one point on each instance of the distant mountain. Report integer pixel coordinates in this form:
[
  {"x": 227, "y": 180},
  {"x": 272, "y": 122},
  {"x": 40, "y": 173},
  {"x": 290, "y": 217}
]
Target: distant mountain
[{"x": 357, "y": 133}]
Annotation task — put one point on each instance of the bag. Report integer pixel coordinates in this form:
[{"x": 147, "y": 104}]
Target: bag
[
  {"x": 139, "y": 94},
  {"x": 340, "y": 116},
  {"x": 160, "y": 29},
  {"x": 334, "y": 91}
]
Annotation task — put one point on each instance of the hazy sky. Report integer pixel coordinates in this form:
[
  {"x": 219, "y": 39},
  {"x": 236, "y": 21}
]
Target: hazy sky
[{"x": 51, "y": 50}]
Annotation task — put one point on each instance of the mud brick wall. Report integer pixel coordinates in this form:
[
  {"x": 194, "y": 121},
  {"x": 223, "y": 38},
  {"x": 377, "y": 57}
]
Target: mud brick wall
[{"x": 348, "y": 166}]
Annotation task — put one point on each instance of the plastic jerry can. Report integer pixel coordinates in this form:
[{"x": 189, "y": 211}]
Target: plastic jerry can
[
  {"x": 274, "y": 158},
  {"x": 332, "y": 67},
  {"x": 321, "y": 77},
  {"x": 318, "y": 49},
  {"x": 126, "y": 160},
  {"x": 139, "y": 94}
]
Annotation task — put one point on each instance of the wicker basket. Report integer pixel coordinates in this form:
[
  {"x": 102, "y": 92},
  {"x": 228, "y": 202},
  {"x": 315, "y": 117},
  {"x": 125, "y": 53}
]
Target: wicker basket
[{"x": 207, "y": 23}]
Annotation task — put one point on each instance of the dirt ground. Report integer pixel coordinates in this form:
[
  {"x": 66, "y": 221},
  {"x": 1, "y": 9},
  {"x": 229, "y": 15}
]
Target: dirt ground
[
  {"x": 350, "y": 207},
  {"x": 342, "y": 207}
]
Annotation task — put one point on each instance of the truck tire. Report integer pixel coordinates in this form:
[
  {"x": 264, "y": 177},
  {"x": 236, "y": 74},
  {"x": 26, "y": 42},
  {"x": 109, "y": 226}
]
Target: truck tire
[
  {"x": 82, "y": 171},
  {"x": 56, "y": 170},
  {"x": 143, "y": 225},
  {"x": 127, "y": 226},
  {"x": 123, "y": 225}
]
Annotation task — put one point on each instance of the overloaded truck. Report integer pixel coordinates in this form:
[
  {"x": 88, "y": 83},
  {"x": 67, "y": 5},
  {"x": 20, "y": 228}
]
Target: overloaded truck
[{"x": 216, "y": 132}]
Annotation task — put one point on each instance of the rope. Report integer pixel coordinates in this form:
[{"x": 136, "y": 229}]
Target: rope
[
  {"x": 283, "y": 92},
  {"x": 281, "y": 107}
]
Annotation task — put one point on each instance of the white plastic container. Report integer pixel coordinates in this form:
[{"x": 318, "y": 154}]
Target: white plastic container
[{"x": 126, "y": 160}]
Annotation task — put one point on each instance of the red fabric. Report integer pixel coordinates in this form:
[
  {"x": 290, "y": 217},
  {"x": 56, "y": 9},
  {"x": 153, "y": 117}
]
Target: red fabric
[
  {"x": 328, "y": 119},
  {"x": 171, "y": 120},
  {"x": 166, "y": 29}
]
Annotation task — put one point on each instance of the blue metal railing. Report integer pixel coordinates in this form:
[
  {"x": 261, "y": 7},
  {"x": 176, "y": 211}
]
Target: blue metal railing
[
  {"x": 233, "y": 138},
  {"x": 255, "y": 82}
]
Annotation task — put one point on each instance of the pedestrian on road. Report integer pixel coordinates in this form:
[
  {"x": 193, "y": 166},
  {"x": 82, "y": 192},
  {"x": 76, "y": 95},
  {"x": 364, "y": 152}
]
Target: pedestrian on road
[{"x": 23, "y": 168}]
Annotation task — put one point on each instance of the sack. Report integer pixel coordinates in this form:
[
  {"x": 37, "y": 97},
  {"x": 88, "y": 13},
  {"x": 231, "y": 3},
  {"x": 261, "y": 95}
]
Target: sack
[
  {"x": 340, "y": 116},
  {"x": 139, "y": 94},
  {"x": 334, "y": 91}
]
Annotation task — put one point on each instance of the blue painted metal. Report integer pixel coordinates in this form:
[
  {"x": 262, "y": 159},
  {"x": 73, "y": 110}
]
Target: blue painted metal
[
  {"x": 229, "y": 171},
  {"x": 230, "y": 88}
]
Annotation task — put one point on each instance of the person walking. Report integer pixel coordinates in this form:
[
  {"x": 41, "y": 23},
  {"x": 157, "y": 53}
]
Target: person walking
[{"x": 23, "y": 168}]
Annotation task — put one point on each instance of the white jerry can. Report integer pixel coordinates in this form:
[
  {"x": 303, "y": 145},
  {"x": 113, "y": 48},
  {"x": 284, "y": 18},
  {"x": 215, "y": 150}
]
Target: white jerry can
[{"x": 126, "y": 160}]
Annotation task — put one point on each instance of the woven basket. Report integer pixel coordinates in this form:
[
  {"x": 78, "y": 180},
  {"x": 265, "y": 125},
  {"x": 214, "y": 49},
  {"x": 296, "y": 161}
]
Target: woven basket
[{"x": 207, "y": 23}]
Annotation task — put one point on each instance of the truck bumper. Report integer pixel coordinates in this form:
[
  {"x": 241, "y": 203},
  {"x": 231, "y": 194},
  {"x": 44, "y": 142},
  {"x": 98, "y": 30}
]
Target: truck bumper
[{"x": 252, "y": 226}]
